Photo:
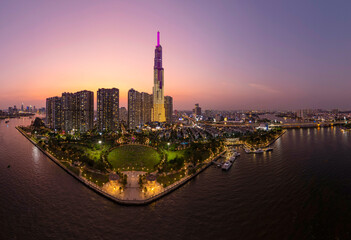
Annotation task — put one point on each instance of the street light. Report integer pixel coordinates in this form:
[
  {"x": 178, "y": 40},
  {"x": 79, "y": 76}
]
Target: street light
[{"x": 100, "y": 141}]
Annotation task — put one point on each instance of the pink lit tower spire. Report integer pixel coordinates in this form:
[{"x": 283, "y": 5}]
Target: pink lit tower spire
[
  {"x": 158, "y": 39},
  {"x": 158, "y": 110}
]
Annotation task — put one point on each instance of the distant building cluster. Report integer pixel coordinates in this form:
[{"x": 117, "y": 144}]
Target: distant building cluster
[
  {"x": 23, "y": 111},
  {"x": 75, "y": 111},
  {"x": 264, "y": 116},
  {"x": 71, "y": 111}
]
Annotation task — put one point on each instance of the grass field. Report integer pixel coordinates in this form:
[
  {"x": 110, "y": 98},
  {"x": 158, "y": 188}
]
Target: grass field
[
  {"x": 99, "y": 179},
  {"x": 93, "y": 154},
  {"x": 136, "y": 157},
  {"x": 173, "y": 154},
  {"x": 170, "y": 179}
]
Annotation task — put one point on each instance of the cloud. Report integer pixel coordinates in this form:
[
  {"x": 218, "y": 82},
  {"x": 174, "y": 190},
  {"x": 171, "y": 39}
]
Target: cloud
[{"x": 264, "y": 88}]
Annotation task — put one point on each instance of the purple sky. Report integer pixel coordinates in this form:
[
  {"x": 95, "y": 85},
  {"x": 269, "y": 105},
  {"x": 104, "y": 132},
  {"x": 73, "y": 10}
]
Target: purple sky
[{"x": 221, "y": 54}]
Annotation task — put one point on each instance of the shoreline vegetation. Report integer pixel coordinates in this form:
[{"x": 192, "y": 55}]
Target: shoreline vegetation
[
  {"x": 107, "y": 166},
  {"x": 261, "y": 140}
]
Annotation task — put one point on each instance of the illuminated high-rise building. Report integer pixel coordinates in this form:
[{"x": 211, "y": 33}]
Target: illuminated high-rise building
[
  {"x": 146, "y": 107},
  {"x": 107, "y": 109},
  {"x": 197, "y": 110},
  {"x": 69, "y": 109},
  {"x": 158, "y": 111},
  {"x": 72, "y": 111},
  {"x": 134, "y": 108},
  {"x": 169, "y": 108},
  {"x": 85, "y": 110},
  {"x": 54, "y": 112}
]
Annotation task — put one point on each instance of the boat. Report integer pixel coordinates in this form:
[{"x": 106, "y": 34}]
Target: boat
[
  {"x": 269, "y": 149},
  {"x": 259, "y": 151},
  {"x": 232, "y": 159},
  {"x": 226, "y": 166},
  {"x": 247, "y": 150},
  {"x": 236, "y": 154}
]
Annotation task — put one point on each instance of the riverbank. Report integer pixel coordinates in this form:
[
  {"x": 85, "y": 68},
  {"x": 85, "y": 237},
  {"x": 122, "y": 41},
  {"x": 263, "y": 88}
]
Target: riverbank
[
  {"x": 17, "y": 116},
  {"x": 273, "y": 141},
  {"x": 94, "y": 187},
  {"x": 248, "y": 148}
]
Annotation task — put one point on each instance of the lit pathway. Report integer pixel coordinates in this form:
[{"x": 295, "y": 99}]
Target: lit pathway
[{"x": 132, "y": 190}]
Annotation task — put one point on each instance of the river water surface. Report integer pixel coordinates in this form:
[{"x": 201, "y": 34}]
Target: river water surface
[{"x": 301, "y": 190}]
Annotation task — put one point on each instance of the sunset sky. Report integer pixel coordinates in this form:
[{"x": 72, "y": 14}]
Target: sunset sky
[{"x": 221, "y": 54}]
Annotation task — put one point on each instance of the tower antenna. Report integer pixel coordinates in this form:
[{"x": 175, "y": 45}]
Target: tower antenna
[{"x": 158, "y": 38}]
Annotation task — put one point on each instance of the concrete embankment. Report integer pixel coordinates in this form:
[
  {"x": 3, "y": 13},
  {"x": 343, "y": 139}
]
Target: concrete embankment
[
  {"x": 112, "y": 198},
  {"x": 248, "y": 148},
  {"x": 273, "y": 141}
]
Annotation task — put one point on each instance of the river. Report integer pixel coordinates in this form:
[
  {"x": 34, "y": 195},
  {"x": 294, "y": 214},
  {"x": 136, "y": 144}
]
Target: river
[{"x": 301, "y": 190}]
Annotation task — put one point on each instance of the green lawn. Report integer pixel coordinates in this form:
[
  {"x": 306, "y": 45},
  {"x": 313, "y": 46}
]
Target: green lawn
[
  {"x": 99, "y": 179},
  {"x": 93, "y": 154},
  {"x": 173, "y": 154},
  {"x": 137, "y": 156},
  {"x": 170, "y": 179}
]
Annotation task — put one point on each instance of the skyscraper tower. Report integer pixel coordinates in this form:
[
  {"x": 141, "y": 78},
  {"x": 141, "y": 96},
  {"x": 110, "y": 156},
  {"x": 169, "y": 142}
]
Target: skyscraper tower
[
  {"x": 169, "y": 108},
  {"x": 158, "y": 111},
  {"x": 146, "y": 107},
  {"x": 134, "y": 108},
  {"x": 68, "y": 111},
  {"x": 107, "y": 109},
  {"x": 54, "y": 112},
  {"x": 85, "y": 110}
]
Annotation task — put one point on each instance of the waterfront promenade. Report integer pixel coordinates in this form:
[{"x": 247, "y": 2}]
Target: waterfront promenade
[
  {"x": 128, "y": 201},
  {"x": 247, "y": 147}
]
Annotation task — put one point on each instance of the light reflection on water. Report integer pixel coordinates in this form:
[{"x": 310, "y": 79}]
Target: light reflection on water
[{"x": 35, "y": 154}]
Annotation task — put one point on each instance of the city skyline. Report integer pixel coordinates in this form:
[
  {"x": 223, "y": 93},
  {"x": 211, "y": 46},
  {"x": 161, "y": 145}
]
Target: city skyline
[
  {"x": 190, "y": 119},
  {"x": 75, "y": 111},
  {"x": 264, "y": 56}
]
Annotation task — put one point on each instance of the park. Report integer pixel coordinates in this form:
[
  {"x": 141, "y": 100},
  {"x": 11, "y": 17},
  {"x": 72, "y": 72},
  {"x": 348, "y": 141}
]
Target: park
[{"x": 130, "y": 166}]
